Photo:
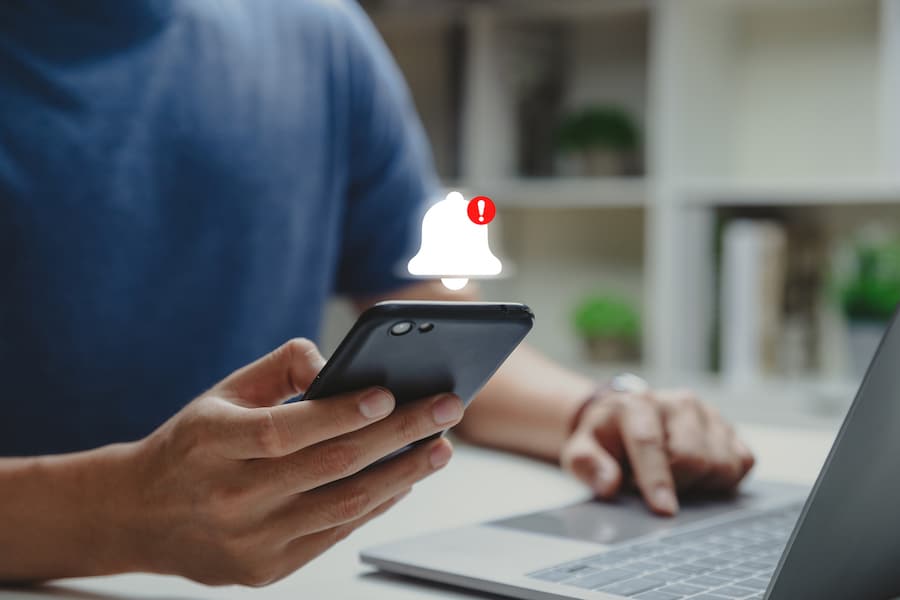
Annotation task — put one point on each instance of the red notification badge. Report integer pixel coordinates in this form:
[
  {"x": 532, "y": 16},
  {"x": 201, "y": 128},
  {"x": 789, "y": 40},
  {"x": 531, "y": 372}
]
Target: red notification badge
[{"x": 481, "y": 210}]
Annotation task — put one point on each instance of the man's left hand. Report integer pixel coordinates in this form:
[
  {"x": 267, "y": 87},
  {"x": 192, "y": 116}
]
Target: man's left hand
[{"x": 668, "y": 441}]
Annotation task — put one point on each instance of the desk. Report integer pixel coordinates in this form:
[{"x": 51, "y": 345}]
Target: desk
[{"x": 477, "y": 485}]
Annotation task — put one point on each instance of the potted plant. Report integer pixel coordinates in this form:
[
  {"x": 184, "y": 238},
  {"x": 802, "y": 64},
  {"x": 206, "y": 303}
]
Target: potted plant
[
  {"x": 603, "y": 140},
  {"x": 610, "y": 328},
  {"x": 869, "y": 296}
]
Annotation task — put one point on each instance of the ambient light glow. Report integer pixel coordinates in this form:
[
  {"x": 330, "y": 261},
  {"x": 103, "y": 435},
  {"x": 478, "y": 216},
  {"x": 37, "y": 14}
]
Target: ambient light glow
[{"x": 454, "y": 283}]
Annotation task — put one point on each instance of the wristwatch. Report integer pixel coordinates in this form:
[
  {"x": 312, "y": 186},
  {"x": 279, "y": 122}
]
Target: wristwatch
[
  {"x": 628, "y": 383},
  {"x": 623, "y": 383}
]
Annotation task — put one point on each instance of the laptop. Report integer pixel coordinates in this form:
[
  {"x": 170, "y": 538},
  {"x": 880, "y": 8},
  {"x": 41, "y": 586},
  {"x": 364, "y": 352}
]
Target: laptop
[{"x": 772, "y": 541}]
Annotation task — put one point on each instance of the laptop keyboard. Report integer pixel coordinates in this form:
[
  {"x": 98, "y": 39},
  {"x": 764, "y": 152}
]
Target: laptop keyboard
[{"x": 723, "y": 562}]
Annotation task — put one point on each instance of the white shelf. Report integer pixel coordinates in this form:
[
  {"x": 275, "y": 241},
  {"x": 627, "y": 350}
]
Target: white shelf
[
  {"x": 570, "y": 9},
  {"x": 722, "y": 192},
  {"x": 561, "y": 192},
  {"x": 409, "y": 13}
]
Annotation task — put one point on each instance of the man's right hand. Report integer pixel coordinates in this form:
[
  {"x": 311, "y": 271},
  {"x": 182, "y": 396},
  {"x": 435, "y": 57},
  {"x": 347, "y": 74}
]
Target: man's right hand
[{"x": 241, "y": 488}]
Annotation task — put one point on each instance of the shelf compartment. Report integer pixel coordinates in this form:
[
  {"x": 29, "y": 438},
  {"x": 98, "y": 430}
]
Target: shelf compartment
[
  {"x": 552, "y": 193},
  {"x": 797, "y": 192}
]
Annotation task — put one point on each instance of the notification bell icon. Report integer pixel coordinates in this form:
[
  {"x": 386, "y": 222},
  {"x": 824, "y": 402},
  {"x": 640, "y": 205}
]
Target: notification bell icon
[{"x": 454, "y": 248}]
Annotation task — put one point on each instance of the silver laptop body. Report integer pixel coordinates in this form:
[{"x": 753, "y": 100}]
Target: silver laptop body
[{"x": 778, "y": 542}]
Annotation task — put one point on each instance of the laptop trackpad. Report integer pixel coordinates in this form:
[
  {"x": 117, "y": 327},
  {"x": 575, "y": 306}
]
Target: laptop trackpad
[{"x": 622, "y": 519}]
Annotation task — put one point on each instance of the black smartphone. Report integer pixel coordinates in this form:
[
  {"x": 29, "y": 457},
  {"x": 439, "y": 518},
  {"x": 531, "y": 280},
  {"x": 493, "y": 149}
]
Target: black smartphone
[{"x": 418, "y": 349}]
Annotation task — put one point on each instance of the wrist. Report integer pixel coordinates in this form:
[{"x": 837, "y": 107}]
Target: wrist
[
  {"x": 575, "y": 420},
  {"x": 96, "y": 496},
  {"x": 623, "y": 383}
]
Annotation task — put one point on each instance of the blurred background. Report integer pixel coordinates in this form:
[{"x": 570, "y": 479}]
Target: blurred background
[{"x": 703, "y": 192}]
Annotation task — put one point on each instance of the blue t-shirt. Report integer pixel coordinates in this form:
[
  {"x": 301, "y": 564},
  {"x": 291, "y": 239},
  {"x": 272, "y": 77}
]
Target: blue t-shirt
[{"x": 183, "y": 184}]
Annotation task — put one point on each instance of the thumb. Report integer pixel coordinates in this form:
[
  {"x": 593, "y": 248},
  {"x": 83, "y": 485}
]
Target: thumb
[
  {"x": 280, "y": 375},
  {"x": 590, "y": 462}
]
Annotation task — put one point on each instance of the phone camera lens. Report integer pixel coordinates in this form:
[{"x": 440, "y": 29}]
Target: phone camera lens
[
  {"x": 426, "y": 327},
  {"x": 402, "y": 327}
]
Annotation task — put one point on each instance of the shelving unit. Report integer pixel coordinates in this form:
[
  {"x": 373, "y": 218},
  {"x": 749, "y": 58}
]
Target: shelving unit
[
  {"x": 551, "y": 193},
  {"x": 789, "y": 192},
  {"x": 746, "y": 105},
  {"x": 760, "y": 105}
]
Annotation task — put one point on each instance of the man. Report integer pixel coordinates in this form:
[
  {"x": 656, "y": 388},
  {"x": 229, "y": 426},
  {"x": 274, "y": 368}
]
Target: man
[{"x": 182, "y": 186}]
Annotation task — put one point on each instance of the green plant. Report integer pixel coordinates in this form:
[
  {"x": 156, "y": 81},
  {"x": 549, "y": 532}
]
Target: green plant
[
  {"x": 598, "y": 127},
  {"x": 873, "y": 291},
  {"x": 606, "y": 317}
]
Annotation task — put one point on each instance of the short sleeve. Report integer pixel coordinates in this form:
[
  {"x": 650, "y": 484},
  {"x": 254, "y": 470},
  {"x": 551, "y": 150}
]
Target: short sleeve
[{"x": 391, "y": 173}]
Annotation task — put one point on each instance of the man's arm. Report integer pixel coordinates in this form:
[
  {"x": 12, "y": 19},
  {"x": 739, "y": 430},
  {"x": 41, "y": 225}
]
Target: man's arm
[
  {"x": 667, "y": 440},
  {"x": 59, "y": 517},
  {"x": 235, "y": 488}
]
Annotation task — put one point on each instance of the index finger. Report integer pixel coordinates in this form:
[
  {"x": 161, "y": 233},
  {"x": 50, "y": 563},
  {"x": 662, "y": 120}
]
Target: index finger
[
  {"x": 644, "y": 439},
  {"x": 269, "y": 432}
]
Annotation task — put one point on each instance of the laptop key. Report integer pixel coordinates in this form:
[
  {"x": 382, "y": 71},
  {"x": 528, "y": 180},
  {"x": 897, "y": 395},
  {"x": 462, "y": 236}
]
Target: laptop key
[
  {"x": 652, "y": 595},
  {"x": 736, "y": 556},
  {"x": 758, "y": 564},
  {"x": 573, "y": 569},
  {"x": 712, "y": 562},
  {"x": 693, "y": 553},
  {"x": 603, "y": 560},
  {"x": 552, "y": 575},
  {"x": 668, "y": 575},
  {"x": 685, "y": 589},
  {"x": 755, "y": 583},
  {"x": 646, "y": 565},
  {"x": 602, "y": 578},
  {"x": 632, "y": 587},
  {"x": 655, "y": 552},
  {"x": 733, "y": 591},
  {"x": 690, "y": 569},
  {"x": 710, "y": 597},
  {"x": 708, "y": 581},
  {"x": 732, "y": 573}
]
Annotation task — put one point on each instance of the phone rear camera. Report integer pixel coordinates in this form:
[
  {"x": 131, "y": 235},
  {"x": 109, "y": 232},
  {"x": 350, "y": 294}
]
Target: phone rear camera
[
  {"x": 402, "y": 327},
  {"x": 426, "y": 327}
]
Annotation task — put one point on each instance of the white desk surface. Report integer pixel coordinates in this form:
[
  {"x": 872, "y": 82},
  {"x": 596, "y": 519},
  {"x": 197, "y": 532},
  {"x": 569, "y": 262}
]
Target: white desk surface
[{"x": 477, "y": 485}]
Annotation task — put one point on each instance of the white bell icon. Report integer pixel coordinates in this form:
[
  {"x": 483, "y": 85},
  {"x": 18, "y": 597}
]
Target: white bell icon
[{"x": 453, "y": 247}]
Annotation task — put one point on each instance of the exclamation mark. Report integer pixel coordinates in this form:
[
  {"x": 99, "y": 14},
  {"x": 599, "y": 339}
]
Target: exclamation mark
[{"x": 481, "y": 210}]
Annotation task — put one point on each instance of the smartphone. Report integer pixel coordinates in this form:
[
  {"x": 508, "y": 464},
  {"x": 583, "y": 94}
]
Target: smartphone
[{"x": 418, "y": 349}]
